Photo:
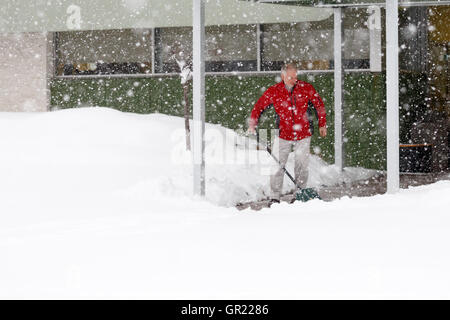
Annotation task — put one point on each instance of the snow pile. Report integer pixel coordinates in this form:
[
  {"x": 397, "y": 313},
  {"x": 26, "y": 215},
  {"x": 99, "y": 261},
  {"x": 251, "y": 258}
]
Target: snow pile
[
  {"x": 89, "y": 150},
  {"x": 97, "y": 204}
]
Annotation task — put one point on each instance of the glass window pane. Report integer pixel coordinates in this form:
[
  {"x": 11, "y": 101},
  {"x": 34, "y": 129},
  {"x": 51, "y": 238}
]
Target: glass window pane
[
  {"x": 231, "y": 48},
  {"x": 310, "y": 44},
  {"x": 356, "y": 39},
  {"x": 172, "y": 44},
  {"x": 228, "y": 48},
  {"x": 104, "y": 52}
]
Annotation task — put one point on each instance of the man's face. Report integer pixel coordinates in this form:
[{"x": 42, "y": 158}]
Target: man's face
[{"x": 290, "y": 77}]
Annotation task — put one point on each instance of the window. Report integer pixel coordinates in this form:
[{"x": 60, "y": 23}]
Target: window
[
  {"x": 228, "y": 48},
  {"x": 231, "y": 48},
  {"x": 104, "y": 52},
  {"x": 172, "y": 44},
  {"x": 413, "y": 39},
  {"x": 356, "y": 39},
  {"x": 311, "y": 44}
]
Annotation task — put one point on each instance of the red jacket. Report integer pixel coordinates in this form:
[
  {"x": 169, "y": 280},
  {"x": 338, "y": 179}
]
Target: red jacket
[{"x": 292, "y": 108}]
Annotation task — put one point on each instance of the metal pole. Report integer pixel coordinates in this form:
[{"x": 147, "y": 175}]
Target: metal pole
[
  {"x": 338, "y": 83},
  {"x": 392, "y": 97},
  {"x": 186, "y": 116},
  {"x": 198, "y": 146},
  {"x": 258, "y": 47},
  {"x": 50, "y": 65},
  {"x": 153, "y": 50}
]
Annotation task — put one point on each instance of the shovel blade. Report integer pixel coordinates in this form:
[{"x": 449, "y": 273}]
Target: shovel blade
[{"x": 307, "y": 194}]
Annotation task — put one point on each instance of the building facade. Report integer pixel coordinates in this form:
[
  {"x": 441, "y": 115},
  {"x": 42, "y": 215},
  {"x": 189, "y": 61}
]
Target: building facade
[{"x": 136, "y": 70}]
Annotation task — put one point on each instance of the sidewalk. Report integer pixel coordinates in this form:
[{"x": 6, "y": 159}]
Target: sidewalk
[{"x": 362, "y": 188}]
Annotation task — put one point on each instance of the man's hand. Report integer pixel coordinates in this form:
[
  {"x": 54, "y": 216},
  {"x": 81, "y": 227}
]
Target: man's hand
[{"x": 323, "y": 131}]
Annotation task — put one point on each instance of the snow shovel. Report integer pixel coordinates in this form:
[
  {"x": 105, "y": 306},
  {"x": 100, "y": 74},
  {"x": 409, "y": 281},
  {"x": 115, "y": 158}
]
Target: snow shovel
[{"x": 302, "y": 194}]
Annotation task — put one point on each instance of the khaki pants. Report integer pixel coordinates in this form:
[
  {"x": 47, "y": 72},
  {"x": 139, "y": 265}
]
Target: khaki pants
[{"x": 281, "y": 149}]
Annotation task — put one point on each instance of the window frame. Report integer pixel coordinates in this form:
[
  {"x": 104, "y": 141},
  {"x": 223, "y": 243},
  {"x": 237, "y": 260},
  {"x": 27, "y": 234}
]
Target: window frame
[{"x": 260, "y": 71}]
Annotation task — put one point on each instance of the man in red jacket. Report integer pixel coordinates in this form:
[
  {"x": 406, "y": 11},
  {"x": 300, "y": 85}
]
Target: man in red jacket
[{"x": 290, "y": 98}]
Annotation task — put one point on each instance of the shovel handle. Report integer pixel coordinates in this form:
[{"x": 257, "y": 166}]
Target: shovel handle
[{"x": 275, "y": 158}]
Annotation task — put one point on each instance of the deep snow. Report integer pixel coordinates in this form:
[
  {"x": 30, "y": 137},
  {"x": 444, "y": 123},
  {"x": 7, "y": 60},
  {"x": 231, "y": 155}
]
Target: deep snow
[{"x": 97, "y": 204}]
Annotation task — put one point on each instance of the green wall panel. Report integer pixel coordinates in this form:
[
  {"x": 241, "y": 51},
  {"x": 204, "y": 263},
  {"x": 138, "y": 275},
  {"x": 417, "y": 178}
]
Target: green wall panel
[
  {"x": 229, "y": 99},
  {"x": 364, "y": 121},
  {"x": 70, "y": 94},
  {"x": 166, "y": 96}
]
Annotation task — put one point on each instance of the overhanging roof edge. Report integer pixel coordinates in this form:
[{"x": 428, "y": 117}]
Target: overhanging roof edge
[{"x": 65, "y": 15}]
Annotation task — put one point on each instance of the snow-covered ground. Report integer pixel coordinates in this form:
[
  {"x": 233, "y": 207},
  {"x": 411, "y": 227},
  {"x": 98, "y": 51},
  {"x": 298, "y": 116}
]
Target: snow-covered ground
[{"x": 97, "y": 204}]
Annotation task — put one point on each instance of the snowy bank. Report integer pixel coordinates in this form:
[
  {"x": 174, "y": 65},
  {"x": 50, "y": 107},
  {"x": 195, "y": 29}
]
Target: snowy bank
[
  {"x": 96, "y": 204},
  {"x": 88, "y": 151}
]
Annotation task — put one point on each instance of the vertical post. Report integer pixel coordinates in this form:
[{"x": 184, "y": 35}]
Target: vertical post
[
  {"x": 198, "y": 146},
  {"x": 50, "y": 65},
  {"x": 392, "y": 96},
  {"x": 338, "y": 84},
  {"x": 186, "y": 116},
  {"x": 258, "y": 47},
  {"x": 153, "y": 50}
]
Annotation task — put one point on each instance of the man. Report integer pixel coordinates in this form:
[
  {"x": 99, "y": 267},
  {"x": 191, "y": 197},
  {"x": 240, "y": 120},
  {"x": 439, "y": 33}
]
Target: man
[{"x": 291, "y": 99}]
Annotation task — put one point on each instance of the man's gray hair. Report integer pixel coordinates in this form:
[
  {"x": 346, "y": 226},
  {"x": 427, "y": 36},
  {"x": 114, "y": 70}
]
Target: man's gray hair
[{"x": 288, "y": 66}]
